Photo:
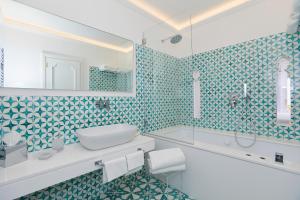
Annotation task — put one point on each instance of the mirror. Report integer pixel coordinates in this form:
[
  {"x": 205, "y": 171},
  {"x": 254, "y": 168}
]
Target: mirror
[{"x": 43, "y": 51}]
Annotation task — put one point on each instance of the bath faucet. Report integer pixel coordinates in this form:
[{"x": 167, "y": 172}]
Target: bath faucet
[{"x": 233, "y": 100}]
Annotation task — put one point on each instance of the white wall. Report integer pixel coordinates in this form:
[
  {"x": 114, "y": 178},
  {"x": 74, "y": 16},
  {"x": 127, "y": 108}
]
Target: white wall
[
  {"x": 257, "y": 19},
  {"x": 263, "y": 18}
]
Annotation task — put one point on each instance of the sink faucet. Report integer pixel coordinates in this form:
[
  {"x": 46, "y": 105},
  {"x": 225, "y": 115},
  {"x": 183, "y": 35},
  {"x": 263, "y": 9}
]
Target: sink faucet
[{"x": 103, "y": 104}]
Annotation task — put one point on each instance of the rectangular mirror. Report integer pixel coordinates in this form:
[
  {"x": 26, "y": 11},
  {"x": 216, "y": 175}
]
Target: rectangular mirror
[{"x": 39, "y": 50}]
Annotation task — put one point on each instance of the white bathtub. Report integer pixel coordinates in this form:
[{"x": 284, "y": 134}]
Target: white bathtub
[{"x": 218, "y": 169}]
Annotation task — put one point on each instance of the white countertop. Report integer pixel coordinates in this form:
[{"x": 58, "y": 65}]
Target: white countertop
[{"x": 72, "y": 154}]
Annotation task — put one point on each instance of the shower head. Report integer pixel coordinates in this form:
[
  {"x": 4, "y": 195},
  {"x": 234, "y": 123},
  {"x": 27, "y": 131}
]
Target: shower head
[{"x": 173, "y": 39}]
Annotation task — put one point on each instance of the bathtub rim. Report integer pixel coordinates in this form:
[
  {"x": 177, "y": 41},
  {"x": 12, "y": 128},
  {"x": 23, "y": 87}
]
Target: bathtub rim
[
  {"x": 288, "y": 167},
  {"x": 262, "y": 138}
]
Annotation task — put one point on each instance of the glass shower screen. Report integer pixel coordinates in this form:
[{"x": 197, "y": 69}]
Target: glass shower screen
[{"x": 168, "y": 83}]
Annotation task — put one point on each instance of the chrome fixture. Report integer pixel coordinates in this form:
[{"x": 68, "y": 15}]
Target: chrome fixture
[
  {"x": 10, "y": 155},
  {"x": 233, "y": 100},
  {"x": 103, "y": 104},
  {"x": 173, "y": 39},
  {"x": 144, "y": 40}
]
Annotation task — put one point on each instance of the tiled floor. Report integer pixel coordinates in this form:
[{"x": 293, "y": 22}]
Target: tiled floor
[{"x": 137, "y": 186}]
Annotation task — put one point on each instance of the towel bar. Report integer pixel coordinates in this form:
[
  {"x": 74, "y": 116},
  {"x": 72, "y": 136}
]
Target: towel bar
[
  {"x": 140, "y": 149},
  {"x": 99, "y": 163}
]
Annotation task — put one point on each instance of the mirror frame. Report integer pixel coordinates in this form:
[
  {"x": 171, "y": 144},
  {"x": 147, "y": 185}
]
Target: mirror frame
[{"x": 9, "y": 91}]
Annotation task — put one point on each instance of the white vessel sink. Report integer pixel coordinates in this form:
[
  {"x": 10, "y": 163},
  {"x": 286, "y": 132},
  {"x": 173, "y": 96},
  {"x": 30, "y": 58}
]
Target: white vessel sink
[{"x": 106, "y": 136}]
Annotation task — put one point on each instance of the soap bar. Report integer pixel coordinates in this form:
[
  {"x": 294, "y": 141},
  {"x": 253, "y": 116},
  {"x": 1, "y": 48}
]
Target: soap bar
[
  {"x": 58, "y": 144},
  {"x": 45, "y": 154}
]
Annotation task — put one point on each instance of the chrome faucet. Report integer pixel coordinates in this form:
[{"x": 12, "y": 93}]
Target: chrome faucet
[
  {"x": 103, "y": 104},
  {"x": 233, "y": 98}
]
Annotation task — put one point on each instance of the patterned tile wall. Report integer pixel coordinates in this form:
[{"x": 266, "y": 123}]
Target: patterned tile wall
[
  {"x": 40, "y": 119},
  {"x": 168, "y": 87},
  {"x": 164, "y": 98},
  {"x": 100, "y": 80},
  {"x": 1, "y": 67},
  {"x": 164, "y": 95},
  {"x": 162, "y": 91},
  {"x": 223, "y": 71}
]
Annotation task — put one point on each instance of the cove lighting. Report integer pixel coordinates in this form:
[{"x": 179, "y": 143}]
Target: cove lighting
[
  {"x": 195, "y": 19},
  {"x": 66, "y": 35}
]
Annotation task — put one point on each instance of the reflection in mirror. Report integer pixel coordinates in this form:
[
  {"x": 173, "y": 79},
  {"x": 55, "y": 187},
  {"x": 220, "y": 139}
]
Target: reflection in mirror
[
  {"x": 109, "y": 79},
  {"x": 43, "y": 51}
]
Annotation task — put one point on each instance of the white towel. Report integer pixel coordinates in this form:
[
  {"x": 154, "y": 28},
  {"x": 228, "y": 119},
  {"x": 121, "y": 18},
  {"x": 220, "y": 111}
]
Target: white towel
[
  {"x": 170, "y": 169},
  {"x": 166, "y": 158},
  {"x": 114, "y": 169},
  {"x": 135, "y": 160},
  {"x": 197, "y": 92}
]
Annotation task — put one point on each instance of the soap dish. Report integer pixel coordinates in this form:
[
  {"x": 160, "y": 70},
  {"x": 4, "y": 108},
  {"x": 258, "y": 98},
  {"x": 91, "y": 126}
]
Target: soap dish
[{"x": 45, "y": 154}]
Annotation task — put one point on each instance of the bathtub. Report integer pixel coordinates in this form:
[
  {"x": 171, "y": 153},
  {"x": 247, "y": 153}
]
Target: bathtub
[{"x": 219, "y": 169}]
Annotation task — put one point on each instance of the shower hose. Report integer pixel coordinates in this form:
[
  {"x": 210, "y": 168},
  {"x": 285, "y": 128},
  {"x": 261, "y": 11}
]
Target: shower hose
[{"x": 236, "y": 136}]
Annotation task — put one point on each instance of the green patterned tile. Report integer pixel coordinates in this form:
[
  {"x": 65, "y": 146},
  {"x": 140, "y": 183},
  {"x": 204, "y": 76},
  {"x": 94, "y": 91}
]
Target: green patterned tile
[{"x": 164, "y": 98}]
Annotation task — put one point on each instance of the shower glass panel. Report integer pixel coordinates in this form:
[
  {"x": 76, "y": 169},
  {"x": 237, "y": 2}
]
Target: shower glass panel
[{"x": 168, "y": 82}]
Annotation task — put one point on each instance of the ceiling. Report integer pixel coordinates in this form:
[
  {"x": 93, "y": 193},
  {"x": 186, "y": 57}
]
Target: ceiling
[{"x": 178, "y": 13}]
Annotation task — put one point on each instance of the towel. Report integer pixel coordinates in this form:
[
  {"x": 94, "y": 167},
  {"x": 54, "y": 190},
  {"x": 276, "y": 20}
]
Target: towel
[
  {"x": 166, "y": 158},
  {"x": 135, "y": 160},
  {"x": 197, "y": 92},
  {"x": 114, "y": 169},
  {"x": 170, "y": 169}
]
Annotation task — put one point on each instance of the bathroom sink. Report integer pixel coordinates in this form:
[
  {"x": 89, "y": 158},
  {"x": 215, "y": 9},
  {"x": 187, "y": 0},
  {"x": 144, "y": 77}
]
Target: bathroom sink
[{"x": 106, "y": 136}]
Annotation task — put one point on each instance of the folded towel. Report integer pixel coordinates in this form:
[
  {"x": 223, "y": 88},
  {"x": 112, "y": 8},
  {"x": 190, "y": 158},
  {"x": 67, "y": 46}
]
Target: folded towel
[
  {"x": 197, "y": 96},
  {"x": 135, "y": 160},
  {"x": 170, "y": 169},
  {"x": 166, "y": 158},
  {"x": 114, "y": 169}
]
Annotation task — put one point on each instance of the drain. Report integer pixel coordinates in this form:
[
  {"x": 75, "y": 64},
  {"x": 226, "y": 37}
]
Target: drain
[
  {"x": 248, "y": 154},
  {"x": 263, "y": 158}
]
